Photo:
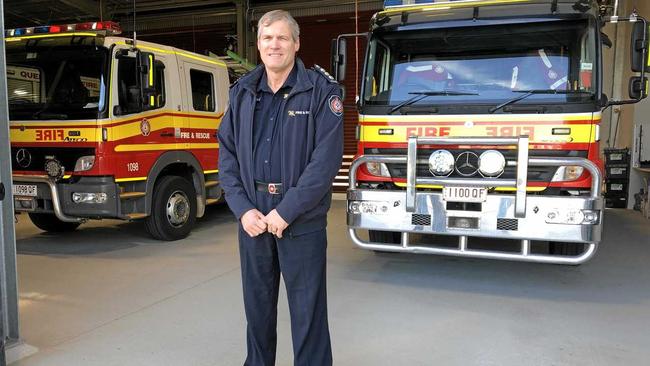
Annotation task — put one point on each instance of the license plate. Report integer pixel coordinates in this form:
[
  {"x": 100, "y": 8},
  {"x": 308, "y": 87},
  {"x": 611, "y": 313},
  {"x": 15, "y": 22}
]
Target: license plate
[
  {"x": 464, "y": 194},
  {"x": 28, "y": 190}
]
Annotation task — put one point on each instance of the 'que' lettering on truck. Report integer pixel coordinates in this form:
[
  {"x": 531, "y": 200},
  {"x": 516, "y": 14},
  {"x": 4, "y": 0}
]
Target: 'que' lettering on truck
[
  {"x": 484, "y": 126},
  {"x": 511, "y": 131},
  {"x": 91, "y": 138}
]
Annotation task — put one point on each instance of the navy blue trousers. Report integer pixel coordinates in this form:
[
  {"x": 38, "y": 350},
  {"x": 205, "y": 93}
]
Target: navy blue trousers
[{"x": 302, "y": 262}]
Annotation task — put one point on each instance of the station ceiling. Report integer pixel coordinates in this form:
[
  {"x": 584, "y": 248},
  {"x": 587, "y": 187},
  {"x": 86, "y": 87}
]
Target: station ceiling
[{"x": 161, "y": 14}]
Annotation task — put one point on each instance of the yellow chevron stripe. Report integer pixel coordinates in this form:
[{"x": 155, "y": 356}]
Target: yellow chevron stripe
[
  {"x": 480, "y": 117},
  {"x": 153, "y": 147},
  {"x": 449, "y": 5},
  {"x": 119, "y": 180},
  {"x": 130, "y": 179},
  {"x": 179, "y": 53},
  {"x": 50, "y": 35},
  {"x": 539, "y": 133}
]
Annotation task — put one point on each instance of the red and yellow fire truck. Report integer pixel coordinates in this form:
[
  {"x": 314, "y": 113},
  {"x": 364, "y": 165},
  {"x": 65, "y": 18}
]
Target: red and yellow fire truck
[
  {"x": 102, "y": 127},
  {"x": 480, "y": 119}
]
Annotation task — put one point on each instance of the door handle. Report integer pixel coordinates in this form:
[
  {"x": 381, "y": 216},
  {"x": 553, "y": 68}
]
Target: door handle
[
  {"x": 167, "y": 134},
  {"x": 2, "y": 191}
]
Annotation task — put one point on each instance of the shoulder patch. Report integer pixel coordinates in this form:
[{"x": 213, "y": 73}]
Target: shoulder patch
[
  {"x": 336, "y": 105},
  {"x": 324, "y": 73}
]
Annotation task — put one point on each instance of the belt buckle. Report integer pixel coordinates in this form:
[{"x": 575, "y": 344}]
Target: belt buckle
[{"x": 271, "y": 188}]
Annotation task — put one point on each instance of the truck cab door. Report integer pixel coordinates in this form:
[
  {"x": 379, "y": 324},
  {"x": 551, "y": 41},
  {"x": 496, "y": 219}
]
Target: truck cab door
[
  {"x": 139, "y": 129},
  {"x": 202, "y": 106}
]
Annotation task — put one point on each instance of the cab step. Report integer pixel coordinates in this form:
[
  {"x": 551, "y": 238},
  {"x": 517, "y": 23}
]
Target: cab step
[
  {"x": 136, "y": 215},
  {"x": 210, "y": 201},
  {"x": 211, "y": 183},
  {"x": 131, "y": 195}
]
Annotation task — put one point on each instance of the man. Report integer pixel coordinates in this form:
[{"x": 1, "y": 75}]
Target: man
[{"x": 281, "y": 144}]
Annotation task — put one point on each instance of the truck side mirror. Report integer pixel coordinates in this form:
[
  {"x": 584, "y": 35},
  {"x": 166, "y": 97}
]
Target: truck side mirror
[
  {"x": 638, "y": 89},
  {"x": 639, "y": 46},
  {"x": 604, "y": 38},
  {"x": 339, "y": 58},
  {"x": 145, "y": 65}
]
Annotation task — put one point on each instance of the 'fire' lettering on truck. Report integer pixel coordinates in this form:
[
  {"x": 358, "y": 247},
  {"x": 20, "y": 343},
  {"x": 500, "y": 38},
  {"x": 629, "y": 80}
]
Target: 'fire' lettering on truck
[
  {"x": 427, "y": 131},
  {"x": 50, "y": 135}
]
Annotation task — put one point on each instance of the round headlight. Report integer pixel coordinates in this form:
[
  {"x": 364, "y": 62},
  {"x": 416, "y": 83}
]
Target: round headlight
[
  {"x": 54, "y": 169},
  {"x": 441, "y": 163},
  {"x": 491, "y": 163}
]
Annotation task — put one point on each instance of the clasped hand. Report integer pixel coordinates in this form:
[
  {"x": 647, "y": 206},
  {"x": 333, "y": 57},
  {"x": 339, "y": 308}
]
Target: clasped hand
[{"x": 255, "y": 223}]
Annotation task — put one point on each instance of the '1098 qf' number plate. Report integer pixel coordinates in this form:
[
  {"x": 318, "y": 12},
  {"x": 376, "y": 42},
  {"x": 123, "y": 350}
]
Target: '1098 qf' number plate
[
  {"x": 29, "y": 190},
  {"x": 464, "y": 194}
]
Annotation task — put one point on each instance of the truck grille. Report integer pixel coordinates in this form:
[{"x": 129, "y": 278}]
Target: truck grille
[
  {"x": 421, "y": 219},
  {"x": 535, "y": 173},
  {"x": 33, "y": 158},
  {"x": 507, "y": 224}
]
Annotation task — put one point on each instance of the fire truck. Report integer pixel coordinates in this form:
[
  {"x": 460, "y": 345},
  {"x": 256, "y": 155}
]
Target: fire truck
[
  {"x": 479, "y": 128},
  {"x": 104, "y": 127}
]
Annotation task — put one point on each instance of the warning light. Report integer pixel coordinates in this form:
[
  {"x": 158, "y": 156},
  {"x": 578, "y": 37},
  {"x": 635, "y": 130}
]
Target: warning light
[{"x": 111, "y": 28}]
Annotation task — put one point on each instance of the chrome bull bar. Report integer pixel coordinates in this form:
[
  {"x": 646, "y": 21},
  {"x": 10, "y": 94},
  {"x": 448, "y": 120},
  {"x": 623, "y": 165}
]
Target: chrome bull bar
[
  {"x": 56, "y": 201},
  {"x": 527, "y": 210}
]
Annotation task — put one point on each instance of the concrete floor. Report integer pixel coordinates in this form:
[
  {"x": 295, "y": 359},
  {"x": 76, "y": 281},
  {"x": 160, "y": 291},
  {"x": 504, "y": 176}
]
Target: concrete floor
[{"x": 109, "y": 295}]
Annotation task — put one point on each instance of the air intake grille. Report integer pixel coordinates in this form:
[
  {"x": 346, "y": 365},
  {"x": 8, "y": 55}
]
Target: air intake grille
[
  {"x": 507, "y": 224},
  {"x": 421, "y": 219}
]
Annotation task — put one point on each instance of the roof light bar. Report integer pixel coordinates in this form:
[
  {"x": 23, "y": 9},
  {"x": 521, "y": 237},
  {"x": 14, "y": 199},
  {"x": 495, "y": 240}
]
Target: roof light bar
[{"x": 112, "y": 28}]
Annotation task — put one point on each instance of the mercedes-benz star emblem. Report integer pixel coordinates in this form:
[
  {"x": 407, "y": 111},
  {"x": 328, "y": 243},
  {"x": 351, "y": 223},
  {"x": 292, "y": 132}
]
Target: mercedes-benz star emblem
[
  {"x": 467, "y": 164},
  {"x": 23, "y": 158}
]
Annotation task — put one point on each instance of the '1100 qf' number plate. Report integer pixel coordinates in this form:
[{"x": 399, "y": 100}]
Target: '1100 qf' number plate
[{"x": 464, "y": 194}]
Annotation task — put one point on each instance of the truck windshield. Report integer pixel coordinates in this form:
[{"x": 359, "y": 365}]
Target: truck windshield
[
  {"x": 486, "y": 64},
  {"x": 56, "y": 78}
]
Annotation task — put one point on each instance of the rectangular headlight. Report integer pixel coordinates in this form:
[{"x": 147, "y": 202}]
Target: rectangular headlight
[
  {"x": 567, "y": 173},
  {"x": 84, "y": 163},
  {"x": 377, "y": 169},
  {"x": 89, "y": 197}
]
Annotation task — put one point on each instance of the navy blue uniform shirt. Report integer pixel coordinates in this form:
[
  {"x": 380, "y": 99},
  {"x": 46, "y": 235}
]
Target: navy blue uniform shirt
[
  {"x": 310, "y": 141},
  {"x": 267, "y": 157}
]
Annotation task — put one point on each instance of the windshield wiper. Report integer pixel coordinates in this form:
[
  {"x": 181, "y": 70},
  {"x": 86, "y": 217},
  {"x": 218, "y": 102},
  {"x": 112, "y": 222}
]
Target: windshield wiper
[
  {"x": 528, "y": 93},
  {"x": 419, "y": 95}
]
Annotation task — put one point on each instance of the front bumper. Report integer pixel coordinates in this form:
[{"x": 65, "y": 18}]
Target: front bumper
[
  {"x": 56, "y": 197},
  {"x": 502, "y": 216}
]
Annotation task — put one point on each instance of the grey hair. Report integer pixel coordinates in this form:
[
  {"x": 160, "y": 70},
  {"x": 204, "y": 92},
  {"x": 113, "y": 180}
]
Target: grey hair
[{"x": 275, "y": 15}]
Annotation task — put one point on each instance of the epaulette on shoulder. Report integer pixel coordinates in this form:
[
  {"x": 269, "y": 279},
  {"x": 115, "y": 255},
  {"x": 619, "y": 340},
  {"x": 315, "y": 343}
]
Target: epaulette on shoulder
[{"x": 324, "y": 73}]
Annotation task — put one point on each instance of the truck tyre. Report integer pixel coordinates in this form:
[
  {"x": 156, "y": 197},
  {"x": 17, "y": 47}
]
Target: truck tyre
[
  {"x": 562, "y": 248},
  {"x": 50, "y": 223},
  {"x": 173, "y": 210}
]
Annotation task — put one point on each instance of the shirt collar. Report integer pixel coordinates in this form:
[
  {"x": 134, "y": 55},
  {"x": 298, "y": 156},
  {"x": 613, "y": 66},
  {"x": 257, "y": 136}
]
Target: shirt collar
[{"x": 263, "y": 84}]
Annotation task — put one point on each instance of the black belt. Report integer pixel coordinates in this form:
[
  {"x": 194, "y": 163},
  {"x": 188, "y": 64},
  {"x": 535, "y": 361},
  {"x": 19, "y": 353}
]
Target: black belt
[{"x": 270, "y": 188}]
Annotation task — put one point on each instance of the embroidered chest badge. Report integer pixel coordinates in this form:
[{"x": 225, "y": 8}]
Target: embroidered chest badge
[
  {"x": 297, "y": 113},
  {"x": 336, "y": 105}
]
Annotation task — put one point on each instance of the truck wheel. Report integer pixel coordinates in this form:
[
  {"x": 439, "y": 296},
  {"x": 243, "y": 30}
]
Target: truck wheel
[
  {"x": 50, "y": 223},
  {"x": 562, "y": 248},
  {"x": 173, "y": 211}
]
